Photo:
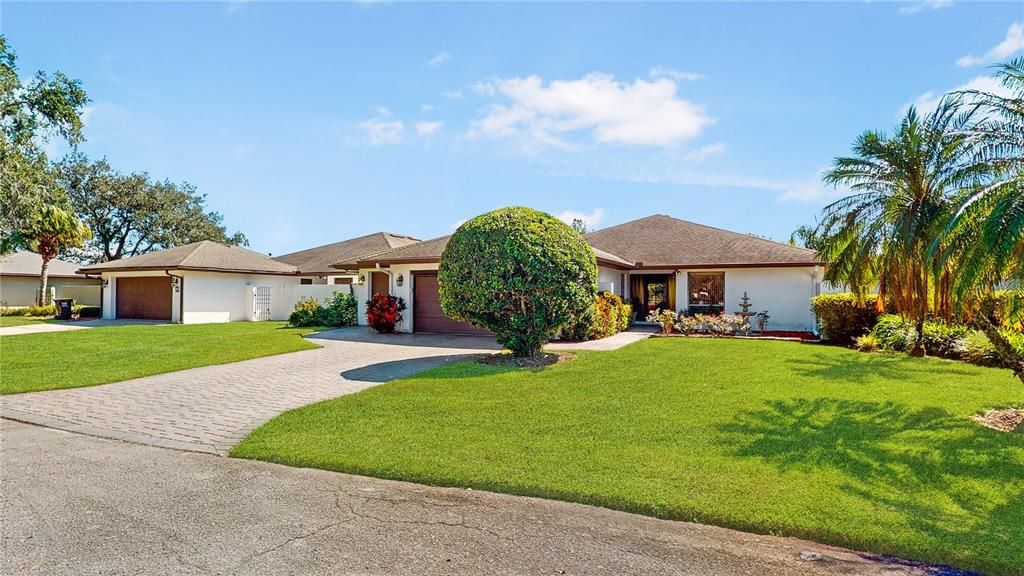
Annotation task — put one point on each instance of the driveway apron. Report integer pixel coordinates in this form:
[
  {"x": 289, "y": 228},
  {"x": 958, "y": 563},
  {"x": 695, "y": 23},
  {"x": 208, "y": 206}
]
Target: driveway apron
[{"x": 210, "y": 409}]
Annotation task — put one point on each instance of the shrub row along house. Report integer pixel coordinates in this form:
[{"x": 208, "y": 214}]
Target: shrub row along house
[{"x": 654, "y": 262}]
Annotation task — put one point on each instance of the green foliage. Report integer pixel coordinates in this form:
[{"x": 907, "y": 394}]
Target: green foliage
[
  {"x": 871, "y": 452},
  {"x": 131, "y": 214},
  {"x": 606, "y": 316},
  {"x": 665, "y": 318},
  {"x": 519, "y": 273},
  {"x": 40, "y": 311},
  {"x": 842, "y": 317},
  {"x": 866, "y": 343},
  {"x": 894, "y": 334},
  {"x": 87, "y": 311},
  {"x": 30, "y": 112},
  {"x": 307, "y": 312},
  {"x": 713, "y": 324},
  {"x": 339, "y": 309},
  {"x": 942, "y": 339}
]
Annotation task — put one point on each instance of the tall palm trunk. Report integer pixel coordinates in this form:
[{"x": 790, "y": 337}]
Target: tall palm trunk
[
  {"x": 43, "y": 280},
  {"x": 1007, "y": 353}
]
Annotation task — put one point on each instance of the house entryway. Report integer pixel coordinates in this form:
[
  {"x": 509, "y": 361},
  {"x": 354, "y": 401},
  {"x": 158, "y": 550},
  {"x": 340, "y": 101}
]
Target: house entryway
[{"x": 652, "y": 292}]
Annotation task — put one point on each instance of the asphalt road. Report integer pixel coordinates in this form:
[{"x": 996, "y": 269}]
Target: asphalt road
[{"x": 75, "y": 504}]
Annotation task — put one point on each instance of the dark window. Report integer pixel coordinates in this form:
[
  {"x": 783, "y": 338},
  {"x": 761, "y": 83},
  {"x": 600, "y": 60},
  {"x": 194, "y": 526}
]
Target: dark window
[
  {"x": 338, "y": 280},
  {"x": 706, "y": 289},
  {"x": 305, "y": 280}
]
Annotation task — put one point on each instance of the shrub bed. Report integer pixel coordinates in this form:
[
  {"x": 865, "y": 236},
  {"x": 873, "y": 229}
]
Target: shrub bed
[
  {"x": 607, "y": 315},
  {"x": 337, "y": 310},
  {"x": 942, "y": 339},
  {"x": 384, "y": 311},
  {"x": 842, "y": 318}
]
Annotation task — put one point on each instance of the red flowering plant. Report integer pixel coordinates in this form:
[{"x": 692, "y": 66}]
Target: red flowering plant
[{"x": 383, "y": 311}]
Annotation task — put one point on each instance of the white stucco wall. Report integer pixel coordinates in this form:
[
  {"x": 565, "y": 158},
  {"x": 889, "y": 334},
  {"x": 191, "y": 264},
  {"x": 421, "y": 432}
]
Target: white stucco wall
[
  {"x": 609, "y": 279},
  {"x": 21, "y": 290},
  {"x": 784, "y": 292},
  {"x": 404, "y": 291}
]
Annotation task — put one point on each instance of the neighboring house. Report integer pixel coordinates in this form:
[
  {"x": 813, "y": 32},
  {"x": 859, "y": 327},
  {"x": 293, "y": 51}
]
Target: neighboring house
[
  {"x": 654, "y": 262},
  {"x": 210, "y": 282},
  {"x": 19, "y": 281},
  {"x": 315, "y": 263},
  {"x": 199, "y": 282}
]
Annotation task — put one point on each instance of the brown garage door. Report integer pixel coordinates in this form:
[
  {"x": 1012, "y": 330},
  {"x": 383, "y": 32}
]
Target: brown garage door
[
  {"x": 427, "y": 315},
  {"x": 146, "y": 298}
]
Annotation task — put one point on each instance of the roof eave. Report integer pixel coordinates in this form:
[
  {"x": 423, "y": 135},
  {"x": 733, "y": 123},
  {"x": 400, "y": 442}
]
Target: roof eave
[{"x": 188, "y": 269}]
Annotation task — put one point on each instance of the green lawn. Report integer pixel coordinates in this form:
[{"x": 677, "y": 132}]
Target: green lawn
[
  {"x": 863, "y": 450},
  {"x": 6, "y": 321},
  {"x": 47, "y": 361}
]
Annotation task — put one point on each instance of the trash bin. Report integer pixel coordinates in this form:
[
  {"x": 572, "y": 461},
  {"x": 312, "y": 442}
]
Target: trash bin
[{"x": 64, "y": 307}]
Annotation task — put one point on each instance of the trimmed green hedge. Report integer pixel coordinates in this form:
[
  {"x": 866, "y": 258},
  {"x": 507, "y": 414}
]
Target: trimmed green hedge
[
  {"x": 519, "y": 273},
  {"x": 842, "y": 318}
]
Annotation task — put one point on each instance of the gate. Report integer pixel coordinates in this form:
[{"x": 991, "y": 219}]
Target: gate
[{"x": 261, "y": 303}]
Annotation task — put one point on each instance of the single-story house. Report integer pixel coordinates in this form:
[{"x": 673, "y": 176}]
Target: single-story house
[
  {"x": 314, "y": 264},
  {"x": 19, "y": 281},
  {"x": 211, "y": 282},
  {"x": 654, "y": 262}
]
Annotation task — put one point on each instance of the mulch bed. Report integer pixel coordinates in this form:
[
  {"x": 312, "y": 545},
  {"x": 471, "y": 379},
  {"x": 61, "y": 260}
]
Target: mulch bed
[
  {"x": 1001, "y": 419},
  {"x": 510, "y": 361}
]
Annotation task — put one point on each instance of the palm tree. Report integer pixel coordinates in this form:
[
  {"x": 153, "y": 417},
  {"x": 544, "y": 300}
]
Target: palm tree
[
  {"x": 903, "y": 190},
  {"x": 987, "y": 230},
  {"x": 50, "y": 230}
]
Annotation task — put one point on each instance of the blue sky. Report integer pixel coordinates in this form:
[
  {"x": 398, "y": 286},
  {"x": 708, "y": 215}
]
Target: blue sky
[{"x": 311, "y": 123}]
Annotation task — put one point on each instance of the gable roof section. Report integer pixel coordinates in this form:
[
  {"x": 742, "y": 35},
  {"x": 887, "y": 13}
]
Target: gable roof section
[
  {"x": 30, "y": 264},
  {"x": 204, "y": 255},
  {"x": 430, "y": 251},
  {"x": 319, "y": 260},
  {"x": 661, "y": 241}
]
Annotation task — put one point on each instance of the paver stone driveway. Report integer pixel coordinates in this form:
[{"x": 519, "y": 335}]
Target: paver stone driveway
[{"x": 210, "y": 409}]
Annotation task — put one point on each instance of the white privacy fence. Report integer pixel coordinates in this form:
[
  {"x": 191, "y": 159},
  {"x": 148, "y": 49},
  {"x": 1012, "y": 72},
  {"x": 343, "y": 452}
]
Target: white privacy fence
[{"x": 277, "y": 302}]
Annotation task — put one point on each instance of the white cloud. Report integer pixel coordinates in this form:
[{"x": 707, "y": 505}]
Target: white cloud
[
  {"x": 663, "y": 72},
  {"x": 702, "y": 153},
  {"x": 592, "y": 220},
  {"x": 382, "y": 110},
  {"x": 927, "y": 103},
  {"x": 452, "y": 94},
  {"x": 925, "y": 5},
  {"x": 426, "y": 107},
  {"x": 439, "y": 58},
  {"x": 1013, "y": 43},
  {"x": 383, "y": 130},
  {"x": 426, "y": 128},
  {"x": 608, "y": 111},
  {"x": 457, "y": 224}
]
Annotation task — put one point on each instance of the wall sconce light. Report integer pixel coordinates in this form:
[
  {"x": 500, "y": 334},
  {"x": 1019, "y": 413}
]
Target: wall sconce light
[
  {"x": 105, "y": 282},
  {"x": 176, "y": 283},
  {"x": 399, "y": 280},
  {"x": 362, "y": 279}
]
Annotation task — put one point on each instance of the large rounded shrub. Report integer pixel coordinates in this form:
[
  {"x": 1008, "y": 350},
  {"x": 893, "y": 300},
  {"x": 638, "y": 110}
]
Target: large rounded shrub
[{"x": 518, "y": 272}]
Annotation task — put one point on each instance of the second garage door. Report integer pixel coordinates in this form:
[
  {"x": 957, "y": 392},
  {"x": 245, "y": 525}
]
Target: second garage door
[
  {"x": 427, "y": 315},
  {"x": 144, "y": 298}
]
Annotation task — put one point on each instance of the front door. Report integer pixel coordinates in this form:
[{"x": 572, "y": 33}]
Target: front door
[
  {"x": 379, "y": 283},
  {"x": 655, "y": 293}
]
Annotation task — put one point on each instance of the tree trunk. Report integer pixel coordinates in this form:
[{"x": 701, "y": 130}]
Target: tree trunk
[
  {"x": 1007, "y": 353},
  {"x": 43, "y": 280},
  {"x": 918, "y": 350}
]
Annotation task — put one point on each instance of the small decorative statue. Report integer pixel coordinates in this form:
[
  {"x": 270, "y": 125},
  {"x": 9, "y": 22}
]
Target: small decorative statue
[
  {"x": 762, "y": 320},
  {"x": 745, "y": 313}
]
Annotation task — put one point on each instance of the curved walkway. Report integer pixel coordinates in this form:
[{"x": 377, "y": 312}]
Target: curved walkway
[{"x": 210, "y": 409}]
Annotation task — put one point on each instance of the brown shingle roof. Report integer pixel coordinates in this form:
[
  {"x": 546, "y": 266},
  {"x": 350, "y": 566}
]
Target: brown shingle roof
[
  {"x": 204, "y": 255},
  {"x": 319, "y": 260},
  {"x": 30, "y": 264},
  {"x": 430, "y": 251},
  {"x": 661, "y": 241}
]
